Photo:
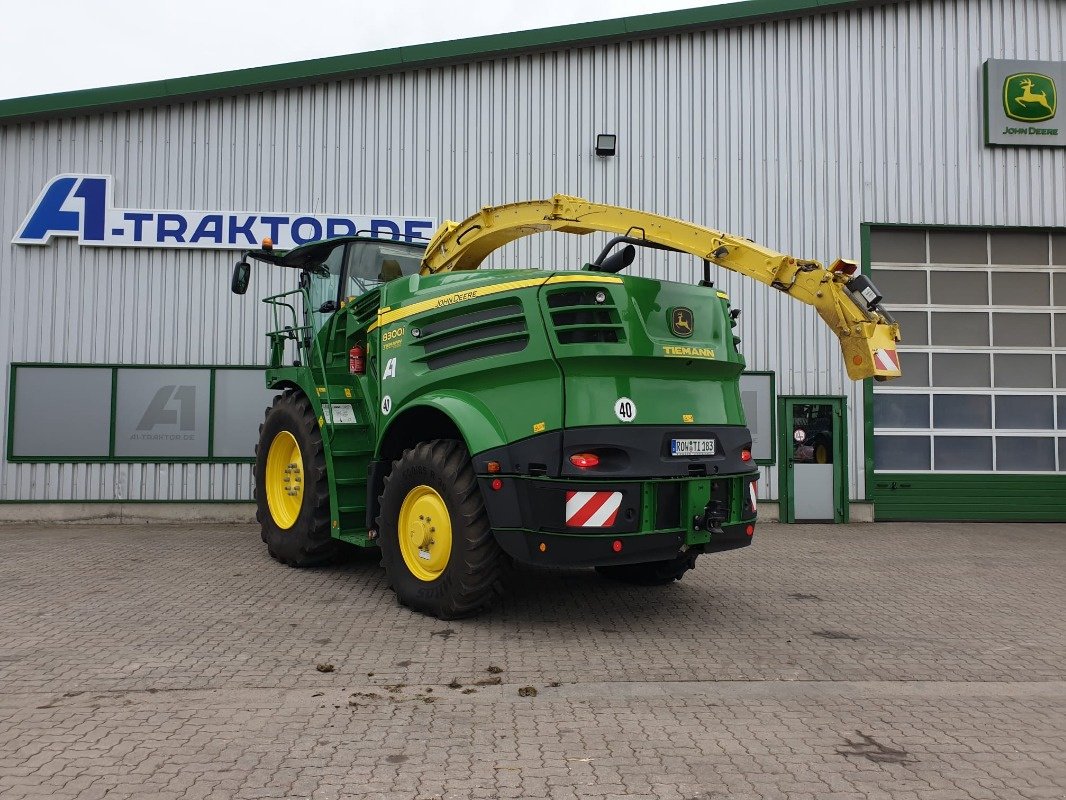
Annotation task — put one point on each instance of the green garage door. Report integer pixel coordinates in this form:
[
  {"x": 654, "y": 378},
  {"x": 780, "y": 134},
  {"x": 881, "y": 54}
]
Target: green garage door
[{"x": 976, "y": 428}]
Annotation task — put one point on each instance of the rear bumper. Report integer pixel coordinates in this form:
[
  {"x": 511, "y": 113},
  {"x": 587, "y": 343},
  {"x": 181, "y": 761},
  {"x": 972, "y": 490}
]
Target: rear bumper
[
  {"x": 553, "y": 549},
  {"x": 639, "y": 504},
  {"x": 652, "y": 520}
]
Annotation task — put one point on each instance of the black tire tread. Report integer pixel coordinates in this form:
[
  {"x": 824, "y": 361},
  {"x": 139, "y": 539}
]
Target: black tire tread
[
  {"x": 476, "y": 569},
  {"x": 316, "y": 546}
]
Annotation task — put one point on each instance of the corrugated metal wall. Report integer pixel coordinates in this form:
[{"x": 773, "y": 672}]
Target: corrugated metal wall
[{"x": 791, "y": 132}]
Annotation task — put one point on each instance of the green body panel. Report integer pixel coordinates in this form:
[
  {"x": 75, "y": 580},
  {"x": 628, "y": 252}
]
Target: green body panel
[
  {"x": 670, "y": 379},
  {"x": 489, "y": 351},
  {"x": 493, "y": 400}
]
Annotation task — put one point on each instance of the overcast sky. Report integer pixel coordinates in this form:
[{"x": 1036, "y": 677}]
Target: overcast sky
[{"x": 57, "y": 45}]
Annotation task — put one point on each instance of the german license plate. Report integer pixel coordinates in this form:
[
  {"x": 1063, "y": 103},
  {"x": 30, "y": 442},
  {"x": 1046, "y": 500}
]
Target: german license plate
[{"x": 692, "y": 447}]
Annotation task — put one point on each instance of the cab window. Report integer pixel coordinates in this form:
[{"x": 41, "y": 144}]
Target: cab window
[
  {"x": 325, "y": 284},
  {"x": 371, "y": 264}
]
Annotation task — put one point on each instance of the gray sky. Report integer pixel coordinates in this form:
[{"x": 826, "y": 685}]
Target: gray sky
[{"x": 57, "y": 45}]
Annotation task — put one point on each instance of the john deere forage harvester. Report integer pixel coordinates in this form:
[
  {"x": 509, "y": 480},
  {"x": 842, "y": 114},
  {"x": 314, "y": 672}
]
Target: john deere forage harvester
[{"x": 457, "y": 419}]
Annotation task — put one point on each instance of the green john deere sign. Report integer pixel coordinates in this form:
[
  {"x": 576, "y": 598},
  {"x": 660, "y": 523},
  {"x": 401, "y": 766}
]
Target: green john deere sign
[
  {"x": 1021, "y": 103},
  {"x": 1029, "y": 97}
]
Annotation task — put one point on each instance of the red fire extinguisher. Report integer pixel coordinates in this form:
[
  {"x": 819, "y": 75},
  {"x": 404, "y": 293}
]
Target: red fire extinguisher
[{"x": 357, "y": 360}]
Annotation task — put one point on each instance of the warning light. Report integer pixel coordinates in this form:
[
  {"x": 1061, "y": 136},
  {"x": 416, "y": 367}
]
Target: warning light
[
  {"x": 856, "y": 359},
  {"x": 585, "y": 460},
  {"x": 543, "y": 547},
  {"x": 750, "y": 530},
  {"x": 497, "y": 484},
  {"x": 493, "y": 466},
  {"x": 616, "y": 545},
  {"x": 268, "y": 243},
  {"x": 745, "y": 455}
]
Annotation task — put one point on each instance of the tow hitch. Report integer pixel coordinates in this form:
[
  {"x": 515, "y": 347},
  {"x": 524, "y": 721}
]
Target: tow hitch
[{"x": 712, "y": 517}]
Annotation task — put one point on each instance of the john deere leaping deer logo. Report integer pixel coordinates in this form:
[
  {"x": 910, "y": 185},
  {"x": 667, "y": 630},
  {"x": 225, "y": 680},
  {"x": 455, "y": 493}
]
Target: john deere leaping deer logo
[
  {"x": 681, "y": 322},
  {"x": 1029, "y": 97}
]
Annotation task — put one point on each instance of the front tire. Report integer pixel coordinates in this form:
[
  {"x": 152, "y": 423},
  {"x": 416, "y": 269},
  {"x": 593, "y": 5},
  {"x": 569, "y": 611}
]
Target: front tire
[
  {"x": 651, "y": 573},
  {"x": 291, "y": 487},
  {"x": 439, "y": 553}
]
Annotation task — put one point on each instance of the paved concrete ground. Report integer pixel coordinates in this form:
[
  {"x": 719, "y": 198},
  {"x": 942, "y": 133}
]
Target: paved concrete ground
[{"x": 887, "y": 661}]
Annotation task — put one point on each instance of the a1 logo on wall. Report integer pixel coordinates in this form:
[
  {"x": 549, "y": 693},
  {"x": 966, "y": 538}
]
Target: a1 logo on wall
[
  {"x": 81, "y": 206},
  {"x": 1029, "y": 97}
]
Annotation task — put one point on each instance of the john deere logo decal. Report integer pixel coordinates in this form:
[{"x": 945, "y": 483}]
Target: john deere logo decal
[
  {"x": 1029, "y": 97},
  {"x": 681, "y": 322}
]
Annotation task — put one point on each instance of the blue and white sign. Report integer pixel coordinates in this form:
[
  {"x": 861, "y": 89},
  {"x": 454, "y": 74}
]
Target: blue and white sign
[{"x": 81, "y": 206}]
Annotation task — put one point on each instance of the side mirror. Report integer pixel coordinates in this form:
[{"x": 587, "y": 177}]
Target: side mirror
[{"x": 242, "y": 271}]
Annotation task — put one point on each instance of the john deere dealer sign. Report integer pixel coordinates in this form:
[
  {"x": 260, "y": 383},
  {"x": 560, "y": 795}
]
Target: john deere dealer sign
[{"x": 1022, "y": 103}]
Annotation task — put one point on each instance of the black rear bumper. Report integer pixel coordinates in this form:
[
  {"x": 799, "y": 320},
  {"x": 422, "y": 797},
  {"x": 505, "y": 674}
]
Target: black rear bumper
[{"x": 553, "y": 549}]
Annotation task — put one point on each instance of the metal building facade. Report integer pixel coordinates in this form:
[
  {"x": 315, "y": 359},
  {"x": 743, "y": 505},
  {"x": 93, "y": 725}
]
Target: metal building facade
[{"x": 793, "y": 130}]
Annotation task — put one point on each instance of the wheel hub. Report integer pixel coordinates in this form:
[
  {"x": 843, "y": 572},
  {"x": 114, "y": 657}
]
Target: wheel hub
[
  {"x": 284, "y": 480},
  {"x": 425, "y": 533}
]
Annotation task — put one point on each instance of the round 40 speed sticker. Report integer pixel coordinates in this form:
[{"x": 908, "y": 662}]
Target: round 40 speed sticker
[{"x": 625, "y": 409}]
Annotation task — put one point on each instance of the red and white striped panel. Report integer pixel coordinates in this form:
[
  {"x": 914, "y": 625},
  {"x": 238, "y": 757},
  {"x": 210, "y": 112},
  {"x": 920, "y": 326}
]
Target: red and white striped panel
[
  {"x": 751, "y": 491},
  {"x": 592, "y": 509},
  {"x": 887, "y": 360}
]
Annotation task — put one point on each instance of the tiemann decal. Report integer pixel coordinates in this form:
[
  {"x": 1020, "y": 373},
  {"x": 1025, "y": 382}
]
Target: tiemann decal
[
  {"x": 592, "y": 509},
  {"x": 81, "y": 206}
]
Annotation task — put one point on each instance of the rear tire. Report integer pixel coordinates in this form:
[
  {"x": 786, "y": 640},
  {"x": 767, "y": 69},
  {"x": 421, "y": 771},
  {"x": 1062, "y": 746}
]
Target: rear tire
[
  {"x": 651, "y": 573},
  {"x": 291, "y": 487},
  {"x": 439, "y": 553}
]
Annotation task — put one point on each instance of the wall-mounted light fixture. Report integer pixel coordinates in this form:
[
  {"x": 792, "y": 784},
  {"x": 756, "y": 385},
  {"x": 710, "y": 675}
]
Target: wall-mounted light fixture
[{"x": 606, "y": 144}]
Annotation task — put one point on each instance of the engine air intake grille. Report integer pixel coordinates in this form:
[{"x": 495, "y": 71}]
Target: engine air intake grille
[
  {"x": 494, "y": 328},
  {"x": 578, "y": 318},
  {"x": 366, "y": 307}
]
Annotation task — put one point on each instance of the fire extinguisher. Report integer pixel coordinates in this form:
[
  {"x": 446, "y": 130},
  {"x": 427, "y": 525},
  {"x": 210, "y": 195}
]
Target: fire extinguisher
[{"x": 357, "y": 360}]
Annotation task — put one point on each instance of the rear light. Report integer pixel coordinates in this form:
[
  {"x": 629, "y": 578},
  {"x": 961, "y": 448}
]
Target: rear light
[
  {"x": 750, "y": 530},
  {"x": 585, "y": 460},
  {"x": 497, "y": 484},
  {"x": 745, "y": 455},
  {"x": 617, "y": 545},
  {"x": 493, "y": 466}
]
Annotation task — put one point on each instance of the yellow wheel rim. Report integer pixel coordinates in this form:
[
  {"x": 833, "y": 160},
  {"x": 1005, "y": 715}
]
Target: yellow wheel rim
[
  {"x": 425, "y": 531},
  {"x": 284, "y": 480}
]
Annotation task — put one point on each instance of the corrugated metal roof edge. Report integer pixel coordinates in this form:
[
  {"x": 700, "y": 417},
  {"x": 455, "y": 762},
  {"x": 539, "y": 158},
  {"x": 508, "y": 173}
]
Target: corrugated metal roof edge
[{"x": 396, "y": 59}]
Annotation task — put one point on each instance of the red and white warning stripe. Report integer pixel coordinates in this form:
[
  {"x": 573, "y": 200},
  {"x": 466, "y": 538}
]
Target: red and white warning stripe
[
  {"x": 886, "y": 360},
  {"x": 751, "y": 492},
  {"x": 592, "y": 509}
]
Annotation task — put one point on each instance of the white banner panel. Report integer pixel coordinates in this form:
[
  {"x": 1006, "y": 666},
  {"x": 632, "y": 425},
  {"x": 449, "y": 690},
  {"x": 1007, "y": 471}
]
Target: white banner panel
[{"x": 81, "y": 206}]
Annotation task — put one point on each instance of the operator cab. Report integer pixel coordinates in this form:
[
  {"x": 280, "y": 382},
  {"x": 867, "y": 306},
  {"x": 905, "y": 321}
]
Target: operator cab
[{"x": 338, "y": 270}]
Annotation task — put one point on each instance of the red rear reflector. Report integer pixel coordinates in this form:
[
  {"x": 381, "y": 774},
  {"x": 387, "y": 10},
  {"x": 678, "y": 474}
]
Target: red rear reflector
[
  {"x": 750, "y": 530},
  {"x": 585, "y": 460},
  {"x": 497, "y": 484},
  {"x": 745, "y": 455},
  {"x": 617, "y": 545}
]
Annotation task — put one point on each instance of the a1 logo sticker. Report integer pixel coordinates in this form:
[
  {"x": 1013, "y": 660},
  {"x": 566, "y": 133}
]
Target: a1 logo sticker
[{"x": 625, "y": 409}]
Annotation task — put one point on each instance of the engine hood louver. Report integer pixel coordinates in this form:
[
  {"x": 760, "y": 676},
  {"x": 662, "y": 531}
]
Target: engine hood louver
[
  {"x": 578, "y": 318},
  {"x": 495, "y": 328}
]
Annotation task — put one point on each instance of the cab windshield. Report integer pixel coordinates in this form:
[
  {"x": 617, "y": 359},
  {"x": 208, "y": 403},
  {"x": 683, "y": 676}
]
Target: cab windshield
[{"x": 370, "y": 264}]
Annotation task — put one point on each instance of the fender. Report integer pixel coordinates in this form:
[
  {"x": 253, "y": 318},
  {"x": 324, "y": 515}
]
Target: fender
[{"x": 477, "y": 423}]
